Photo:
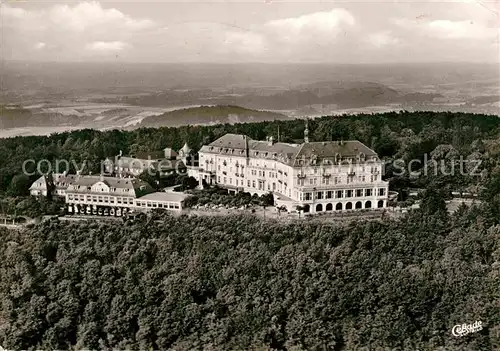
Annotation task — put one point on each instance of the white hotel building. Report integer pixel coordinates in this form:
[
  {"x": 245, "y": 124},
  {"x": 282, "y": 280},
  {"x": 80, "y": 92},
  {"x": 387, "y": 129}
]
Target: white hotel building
[
  {"x": 111, "y": 196},
  {"x": 318, "y": 176}
]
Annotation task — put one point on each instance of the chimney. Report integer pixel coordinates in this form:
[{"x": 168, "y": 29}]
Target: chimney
[
  {"x": 306, "y": 132},
  {"x": 247, "y": 154}
]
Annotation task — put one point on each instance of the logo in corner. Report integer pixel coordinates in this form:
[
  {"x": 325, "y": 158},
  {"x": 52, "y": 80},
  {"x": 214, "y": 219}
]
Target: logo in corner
[{"x": 464, "y": 329}]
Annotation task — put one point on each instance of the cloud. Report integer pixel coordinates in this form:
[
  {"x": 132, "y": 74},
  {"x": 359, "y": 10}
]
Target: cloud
[
  {"x": 243, "y": 32},
  {"x": 87, "y": 15},
  {"x": 382, "y": 39},
  {"x": 289, "y": 38},
  {"x": 245, "y": 42},
  {"x": 69, "y": 31},
  {"x": 40, "y": 45},
  {"x": 107, "y": 46},
  {"x": 314, "y": 23},
  {"x": 318, "y": 26},
  {"x": 468, "y": 20}
]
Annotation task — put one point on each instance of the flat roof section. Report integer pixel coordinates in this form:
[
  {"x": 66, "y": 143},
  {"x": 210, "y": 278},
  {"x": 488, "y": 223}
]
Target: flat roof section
[{"x": 164, "y": 197}]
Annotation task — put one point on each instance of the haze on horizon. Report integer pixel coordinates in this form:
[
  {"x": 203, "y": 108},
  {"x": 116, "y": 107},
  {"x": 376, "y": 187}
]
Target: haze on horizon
[{"x": 246, "y": 32}]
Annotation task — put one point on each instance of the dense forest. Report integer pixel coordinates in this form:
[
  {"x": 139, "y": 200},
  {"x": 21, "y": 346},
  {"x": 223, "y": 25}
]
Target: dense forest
[
  {"x": 240, "y": 283},
  {"x": 407, "y": 136},
  {"x": 243, "y": 283}
]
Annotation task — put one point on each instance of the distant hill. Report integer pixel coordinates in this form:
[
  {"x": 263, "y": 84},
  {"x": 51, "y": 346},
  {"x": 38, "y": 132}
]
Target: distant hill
[
  {"x": 210, "y": 115},
  {"x": 343, "y": 94},
  {"x": 14, "y": 116}
]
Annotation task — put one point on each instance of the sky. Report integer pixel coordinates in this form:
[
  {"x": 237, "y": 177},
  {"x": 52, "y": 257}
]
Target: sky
[{"x": 252, "y": 31}]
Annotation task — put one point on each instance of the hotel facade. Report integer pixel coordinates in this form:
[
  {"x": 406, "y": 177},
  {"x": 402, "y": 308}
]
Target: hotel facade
[
  {"x": 100, "y": 195},
  {"x": 312, "y": 176}
]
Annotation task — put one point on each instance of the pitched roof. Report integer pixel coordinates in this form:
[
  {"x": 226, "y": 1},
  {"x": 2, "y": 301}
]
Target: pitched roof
[
  {"x": 235, "y": 144},
  {"x": 135, "y": 186},
  {"x": 63, "y": 180},
  {"x": 151, "y": 155},
  {"x": 169, "y": 153},
  {"x": 186, "y": 149},
  {"x": 331, "y": 149},
  {"x": 58, "y": 180},
  {"x": 40, "y": 184},
  {"x": 132, "y": 162}
]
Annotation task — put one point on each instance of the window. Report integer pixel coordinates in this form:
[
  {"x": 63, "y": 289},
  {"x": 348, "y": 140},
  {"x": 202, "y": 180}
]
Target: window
[
  {"x": 319, "y": 195},
  {"x": 274, "y": 186},
  {"x": 308, "y": 196},
  {"x": 155, "y": 204},
  {"x": 218, "y": 179},
  {"x": 359, "y": 192},
  {"x": 149, "y": 204},
  {"x": 100, "y": 198},
  {"x": 253, "y": 183},
  {"x": 381, "y": 192},
  {"x": 230, "y": 180},
  {"x": 329, "y": 194},
  {"x": 248, "y": 183},
  {"x": 225, "y": 180},
  {"x": 340, "y": 194},
  {"x": 368, "y": 192},
  {"x": 349, "y": 193}
]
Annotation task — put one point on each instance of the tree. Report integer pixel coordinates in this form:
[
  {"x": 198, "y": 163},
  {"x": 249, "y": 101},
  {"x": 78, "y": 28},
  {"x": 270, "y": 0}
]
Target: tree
[{"x": 19, "y": 185}]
